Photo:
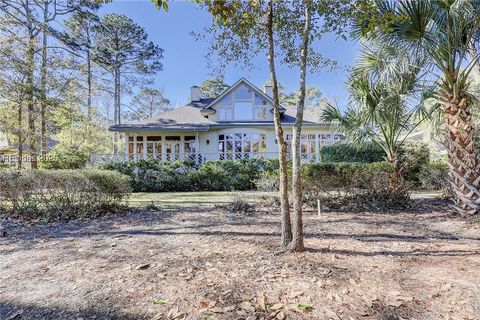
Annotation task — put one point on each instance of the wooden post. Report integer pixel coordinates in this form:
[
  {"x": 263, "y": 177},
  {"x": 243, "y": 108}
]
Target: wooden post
[{"x": 319, "y": 211}]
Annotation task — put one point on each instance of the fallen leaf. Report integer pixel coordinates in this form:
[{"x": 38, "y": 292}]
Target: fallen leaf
[
  {"x": 208, "y": 314},
  {"x": 301, "y": 307},
  {"x": 160, "y": 301},
  {"x": 143, "y": 266},
  {"x": 247, "y": 306},
  {"x": 262, "y": 301},
  {"x": 217, "y": 310},
  {"x": 276, "y": 306}
]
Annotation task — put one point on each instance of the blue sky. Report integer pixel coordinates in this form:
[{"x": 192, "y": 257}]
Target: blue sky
[{"x": 184, "y": 62}]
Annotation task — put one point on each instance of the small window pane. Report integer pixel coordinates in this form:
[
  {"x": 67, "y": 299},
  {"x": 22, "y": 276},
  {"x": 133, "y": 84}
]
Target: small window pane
[
  {"x": 154, "y": 138},
  {"x": 140, "y": 138},
  {"x": 259, "y": 100},
  {"x": 243, "y": 93},
  {"x": 149, "y": 147},
  {"x": 172, "y": 138},
  {"x": 226, "y": 101}
]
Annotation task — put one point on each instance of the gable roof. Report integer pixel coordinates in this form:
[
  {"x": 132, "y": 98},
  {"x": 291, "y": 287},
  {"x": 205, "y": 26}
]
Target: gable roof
[
  {"x": 190, "y": 118},
  {"x": 236, "y": 85}
]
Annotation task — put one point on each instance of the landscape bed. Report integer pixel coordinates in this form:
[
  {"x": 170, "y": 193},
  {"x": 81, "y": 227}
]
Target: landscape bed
[{"x": 209, "y": 263}]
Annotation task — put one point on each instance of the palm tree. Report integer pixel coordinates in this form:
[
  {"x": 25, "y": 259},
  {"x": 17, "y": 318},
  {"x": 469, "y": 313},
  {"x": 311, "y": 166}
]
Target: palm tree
[
  {"x": 383, "y": 106},
  {"x": 443, "y": 31}
]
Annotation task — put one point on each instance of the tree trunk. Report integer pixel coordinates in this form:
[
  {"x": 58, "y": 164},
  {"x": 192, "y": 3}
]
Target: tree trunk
[
  {"x": 464, "y": 166},
  {"x": 89, "y": 80},
  {"x": 282, "y": 146},
  {"x": 43, "y": 86},
  {"x": 20, "y": 136},
  {"x": 116, "y": 113},
  {"x": 30, "y": 98},
  {"x": 297, "y": 240}
]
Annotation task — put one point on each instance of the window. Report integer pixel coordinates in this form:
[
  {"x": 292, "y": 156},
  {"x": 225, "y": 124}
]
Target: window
[
  {"x": 243, "y": 93},
  {"x": 154, "y": 147},
  {"x": 190, "y": 144},
  {"x": 308, "y": 145},
  {"x": 226, "y": 101},
  {"x": 243, "y": 111},
  {"x": 259, "y": 101},
  {"x": 241, "y": 146},
  {"x": 225, "y": 114}
]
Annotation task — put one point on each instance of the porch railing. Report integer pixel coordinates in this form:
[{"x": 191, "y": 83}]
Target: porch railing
[{"x": 197, "y": 158}]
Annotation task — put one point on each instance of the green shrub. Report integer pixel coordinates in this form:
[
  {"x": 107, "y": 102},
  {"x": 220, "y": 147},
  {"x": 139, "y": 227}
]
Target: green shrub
[
  {"x": 344, "y": 152},
  {"x": 361, "y": 186},
  {"x": 64, "y": 159},
  {"x": 413, "y": 157},
  {"x": 434, "y": 176},
  {"x": 62, "y": 194},
  {"x": 154, "y": 176}
]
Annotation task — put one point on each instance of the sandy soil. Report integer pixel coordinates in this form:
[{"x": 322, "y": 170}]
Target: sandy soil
[{"x": 211, "y": 264}]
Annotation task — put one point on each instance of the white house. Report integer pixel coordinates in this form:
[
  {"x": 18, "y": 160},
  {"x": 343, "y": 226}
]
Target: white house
[{"x": 238, "y": 124}]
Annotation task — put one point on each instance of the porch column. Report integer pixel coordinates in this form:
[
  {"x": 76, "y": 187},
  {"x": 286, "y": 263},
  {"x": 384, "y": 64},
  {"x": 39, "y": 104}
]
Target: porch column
[
  {"x": 197, "y": 147},
  {"x": 144, "y": 147},
  {"x": 164, "y": 151},
  {"x": 135, "y": 149},
  {"x": 182, "y": 147},
  {"x": 125, "y": 153}
]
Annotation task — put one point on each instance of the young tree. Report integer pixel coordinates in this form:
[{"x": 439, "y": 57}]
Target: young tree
[
  {"x": 385, "y": 100},
  {"x": 148, "y": 103},
  {"x": 443, "y": 32},
  {"x": 243, "y": 30},
  {"x": 212, "y": 88}
]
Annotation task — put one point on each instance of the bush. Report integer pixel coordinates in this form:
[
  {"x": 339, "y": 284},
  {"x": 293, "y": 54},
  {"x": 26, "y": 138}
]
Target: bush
[
  {"x": 434, "y": 176},
  {"x": 154, "y": 176},
  {"x": 240, "y": 203},
  {"x": 344, "y": 152},
  {"x": 64, "y": 159},
  {"x": 361, "y": 186},
  {"x": 413, "y": 157},
  {"x": 62, "y": 194}
]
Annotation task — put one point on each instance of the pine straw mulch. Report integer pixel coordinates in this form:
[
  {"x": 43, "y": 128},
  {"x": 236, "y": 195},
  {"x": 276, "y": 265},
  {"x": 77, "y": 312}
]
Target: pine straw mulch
[{"x": 211, "y": 264}]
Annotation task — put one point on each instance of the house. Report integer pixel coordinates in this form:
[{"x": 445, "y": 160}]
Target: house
[{"x": 238, "y": 124}]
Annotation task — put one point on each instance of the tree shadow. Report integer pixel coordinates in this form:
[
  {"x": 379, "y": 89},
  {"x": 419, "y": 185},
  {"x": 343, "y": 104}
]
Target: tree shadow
[{"x": 18, "y": 311}]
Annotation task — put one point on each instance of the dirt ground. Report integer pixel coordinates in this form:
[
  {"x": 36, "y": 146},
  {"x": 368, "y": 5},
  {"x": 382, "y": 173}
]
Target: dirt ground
[{"x": 211, "y": 264}]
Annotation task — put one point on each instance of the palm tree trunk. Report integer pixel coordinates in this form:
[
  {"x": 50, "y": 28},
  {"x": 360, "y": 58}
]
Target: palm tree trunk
[
  {"x": 297, "y": 244},
  {"x": 464, "y": 166},
  {"x": 282, "y": 146}
]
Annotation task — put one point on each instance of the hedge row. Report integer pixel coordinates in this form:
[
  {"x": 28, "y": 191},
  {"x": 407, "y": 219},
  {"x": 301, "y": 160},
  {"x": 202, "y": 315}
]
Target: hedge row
[
  {"x": 62, "y": 194},
  {"x": 154, "y": 176},
  {"x": 364, "y": 186}
]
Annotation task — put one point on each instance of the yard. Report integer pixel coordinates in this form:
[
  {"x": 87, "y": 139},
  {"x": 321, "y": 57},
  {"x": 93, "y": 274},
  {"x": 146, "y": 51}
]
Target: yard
[{"x": 192, "y": 259}]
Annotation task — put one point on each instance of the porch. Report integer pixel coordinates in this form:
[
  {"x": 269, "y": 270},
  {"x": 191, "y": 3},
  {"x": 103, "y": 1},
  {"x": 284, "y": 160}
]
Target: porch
[{"x": 197, "y": 158}]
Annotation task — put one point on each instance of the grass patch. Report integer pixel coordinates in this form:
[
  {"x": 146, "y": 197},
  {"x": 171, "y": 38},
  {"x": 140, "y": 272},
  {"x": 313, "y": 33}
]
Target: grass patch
[{"x": 176, "y": 200}]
